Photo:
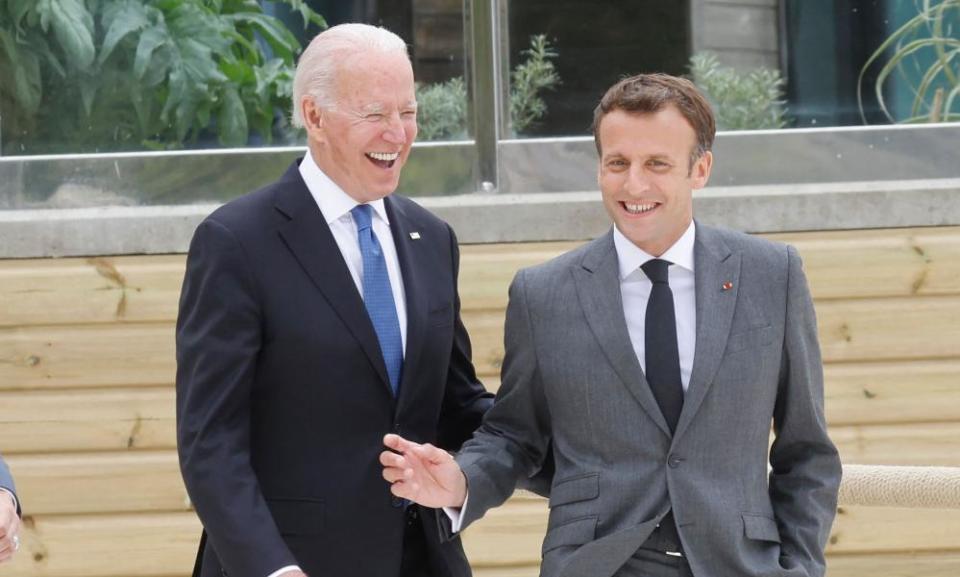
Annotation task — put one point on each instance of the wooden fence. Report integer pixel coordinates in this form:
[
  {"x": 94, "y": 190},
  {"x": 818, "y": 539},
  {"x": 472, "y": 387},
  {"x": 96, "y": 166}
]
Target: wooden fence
[{"x": 87, "y": 402}]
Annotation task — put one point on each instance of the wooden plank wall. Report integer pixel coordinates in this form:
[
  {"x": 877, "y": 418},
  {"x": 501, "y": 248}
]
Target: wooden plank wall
[{"x": 87, "y": 417}]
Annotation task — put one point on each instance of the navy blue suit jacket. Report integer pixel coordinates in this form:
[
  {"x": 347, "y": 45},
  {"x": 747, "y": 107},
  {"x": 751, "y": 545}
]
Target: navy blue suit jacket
[{"x": 283, "y": 397}]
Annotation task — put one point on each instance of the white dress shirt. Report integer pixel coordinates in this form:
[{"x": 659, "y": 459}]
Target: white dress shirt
[
  {"x": 635, "y": 290},
  {"x": 335, "y": 205}
]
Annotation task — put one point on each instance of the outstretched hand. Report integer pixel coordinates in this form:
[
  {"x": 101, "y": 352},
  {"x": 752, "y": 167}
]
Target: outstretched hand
[{"x": 422, "y": 473}]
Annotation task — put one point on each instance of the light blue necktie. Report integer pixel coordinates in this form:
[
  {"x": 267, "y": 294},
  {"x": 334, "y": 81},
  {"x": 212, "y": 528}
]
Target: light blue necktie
[{"x": 378, "y": 296}]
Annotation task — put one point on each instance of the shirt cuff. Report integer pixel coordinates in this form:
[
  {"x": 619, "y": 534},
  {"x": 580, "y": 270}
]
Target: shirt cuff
[
  {"x": 283, "y": 570},
  {"x": 16, "y": 503},
  {"x": 455, "y": 514}
]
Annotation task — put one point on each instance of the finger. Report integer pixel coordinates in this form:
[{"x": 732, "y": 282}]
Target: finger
[
  {"x": 432, "y": 454},
  {"x": 394, "y": 475},
  {"x": 398, "y": 443},
  {"x": 391, "y": 459}
]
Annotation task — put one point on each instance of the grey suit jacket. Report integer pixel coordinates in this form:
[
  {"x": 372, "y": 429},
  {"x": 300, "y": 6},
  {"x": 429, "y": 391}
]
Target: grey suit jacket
[{"x": 571, "y": 380}]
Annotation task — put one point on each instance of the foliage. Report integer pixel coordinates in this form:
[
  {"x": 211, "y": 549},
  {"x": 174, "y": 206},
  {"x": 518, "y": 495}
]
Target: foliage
[
  {"x": 924, "y": 54},
  {"x": 442, "y": 107},
  {"x": 94, "y": 75},
  {"x": 531, "y": 77},
  {"x": 741, "y": 101},
  {"x": 442, "y": 110}
]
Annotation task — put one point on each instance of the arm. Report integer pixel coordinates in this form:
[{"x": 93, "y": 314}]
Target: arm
[
  {"x": 805, "y": 477},
  {"x": 511, "y": 444},
  {"x": 218, "y": 340}
]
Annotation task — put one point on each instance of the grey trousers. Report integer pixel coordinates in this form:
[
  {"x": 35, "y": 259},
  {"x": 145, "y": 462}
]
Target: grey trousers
[{"x": 647, "y": 563}]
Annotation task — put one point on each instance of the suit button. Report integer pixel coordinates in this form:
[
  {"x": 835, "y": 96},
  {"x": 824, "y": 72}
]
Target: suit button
[
  {"x": 674, "y": 461},
  {"x": 397, "y": 502}
]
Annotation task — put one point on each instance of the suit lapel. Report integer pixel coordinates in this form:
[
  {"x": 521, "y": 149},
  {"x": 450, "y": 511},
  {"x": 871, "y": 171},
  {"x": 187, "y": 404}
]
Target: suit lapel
[
  {"x": 308, "y": 237},
  {"x": 598, "y": 288},
  {"x": 414, "y": 271},
  {"x": 715, "y": 265}
]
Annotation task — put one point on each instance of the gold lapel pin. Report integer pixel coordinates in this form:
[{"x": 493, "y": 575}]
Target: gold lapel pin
[
  {"x": 727, "y": 285},
  {"x": 415, "y": 235}
]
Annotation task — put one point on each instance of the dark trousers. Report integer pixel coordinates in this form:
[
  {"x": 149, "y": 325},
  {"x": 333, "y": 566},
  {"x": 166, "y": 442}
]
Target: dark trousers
[
  {"x": 416, "y": 561},
  {"x": 652, "y": 559}
]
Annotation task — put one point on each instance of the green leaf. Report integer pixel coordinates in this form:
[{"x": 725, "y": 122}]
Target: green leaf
[
  {"x": 150, "y": 40},
  {"x": 73, "y": 28},
  {"x": 121, "y": 20},
  {"x": 198, "y": 62},
  {"x": 283, "y": 42},
  {"x": 88, "y": 90},
  {"x": 237, "y": 71},
  {"x": 158, "y": 66},
  {"x": 232, "y": 119},
  {"x": 18, "y": 9},
  {"x": 26, "y": 77}
]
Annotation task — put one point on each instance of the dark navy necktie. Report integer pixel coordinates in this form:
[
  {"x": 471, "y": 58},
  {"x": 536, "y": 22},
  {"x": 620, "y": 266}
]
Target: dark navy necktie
[
  {"x": 660, "y": 348},
  {"x": 378, "y": 296}
]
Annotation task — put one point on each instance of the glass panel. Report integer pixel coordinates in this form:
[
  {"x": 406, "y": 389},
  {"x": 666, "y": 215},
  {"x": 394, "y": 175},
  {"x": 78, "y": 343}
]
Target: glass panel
[
  {"x": 82, "y": 122},
  {"x": 563, "y": 54}
]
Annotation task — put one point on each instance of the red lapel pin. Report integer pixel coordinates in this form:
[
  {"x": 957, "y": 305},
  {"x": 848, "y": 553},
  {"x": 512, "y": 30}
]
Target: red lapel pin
[{"x": 727, "y": 285}]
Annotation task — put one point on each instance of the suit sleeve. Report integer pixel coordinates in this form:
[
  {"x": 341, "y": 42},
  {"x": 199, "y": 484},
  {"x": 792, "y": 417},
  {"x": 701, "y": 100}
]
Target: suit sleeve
[
  {"x": 806, "y": 470},
  {"x": 514, "y": 439},
  {"x": 218, "y": 339},
  {"x": 465, "y": 399},
  {"x": 6, "y": 482}
]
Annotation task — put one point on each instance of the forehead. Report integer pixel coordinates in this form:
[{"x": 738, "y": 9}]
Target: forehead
[
  {"x": 665, "y": 132},
  {"x": 369, "y": 79}
]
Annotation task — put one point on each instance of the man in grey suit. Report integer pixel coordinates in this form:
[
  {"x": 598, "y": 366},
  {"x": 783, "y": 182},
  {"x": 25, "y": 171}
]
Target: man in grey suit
[
  {"x": 652, "y": 362},
  {"x": 9, "y": 515}
]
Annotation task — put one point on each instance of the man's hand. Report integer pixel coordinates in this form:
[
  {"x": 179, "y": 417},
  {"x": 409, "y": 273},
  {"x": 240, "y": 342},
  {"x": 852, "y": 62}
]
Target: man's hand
[
  {"x": 422, "y": 473},
  {"x": 9, "y": 526}
]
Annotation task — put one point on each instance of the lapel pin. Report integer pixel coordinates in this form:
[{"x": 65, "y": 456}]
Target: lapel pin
[
  {"x": 727, "y": 285},
  {"x": 415, "y": 235}
]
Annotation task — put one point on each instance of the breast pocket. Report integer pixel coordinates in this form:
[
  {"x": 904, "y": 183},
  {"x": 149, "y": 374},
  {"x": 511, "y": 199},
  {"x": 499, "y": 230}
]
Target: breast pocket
[{"x": 753, "y": 338}]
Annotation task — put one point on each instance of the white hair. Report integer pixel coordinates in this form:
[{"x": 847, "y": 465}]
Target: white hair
[{"x": 317, "y": 69}]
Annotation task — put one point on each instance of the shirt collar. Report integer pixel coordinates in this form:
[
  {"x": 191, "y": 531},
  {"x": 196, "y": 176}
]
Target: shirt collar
[
  {"x": 334, "y": 203},
  {"x": 631, "y": 257}
]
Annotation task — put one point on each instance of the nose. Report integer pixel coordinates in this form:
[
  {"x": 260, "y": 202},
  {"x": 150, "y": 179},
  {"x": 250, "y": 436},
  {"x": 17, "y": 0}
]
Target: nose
[
  {"x": 394, "y": 131},
  {"x": 636, "y": 184}
]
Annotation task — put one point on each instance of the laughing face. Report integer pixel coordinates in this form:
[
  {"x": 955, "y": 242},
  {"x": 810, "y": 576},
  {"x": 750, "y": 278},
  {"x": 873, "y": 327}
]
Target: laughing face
[
  {"x": 363, "y": 141},
  {"x": 646, "y": 178}
]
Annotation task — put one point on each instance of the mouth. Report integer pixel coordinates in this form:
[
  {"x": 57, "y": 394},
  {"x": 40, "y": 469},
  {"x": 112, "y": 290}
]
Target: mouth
[
  {"x": 383, "y": 159},
  {"x": 638, "y": 208}
]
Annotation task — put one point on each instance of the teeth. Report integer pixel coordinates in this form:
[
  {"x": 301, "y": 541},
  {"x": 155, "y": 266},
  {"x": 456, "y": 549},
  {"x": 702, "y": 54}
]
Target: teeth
[
  {"x": 639, "y": 208},
  {"x": 384, "y": 156}
]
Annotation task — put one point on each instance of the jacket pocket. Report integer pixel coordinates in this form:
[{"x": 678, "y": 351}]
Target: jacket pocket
[
  {"x": 574, "y": 532},
  {"x": 303, "y": 517},
  {"x": 760, "y": 528},
  {"x": 749, "y": 339},
  {"x": 573, "y": 489}
]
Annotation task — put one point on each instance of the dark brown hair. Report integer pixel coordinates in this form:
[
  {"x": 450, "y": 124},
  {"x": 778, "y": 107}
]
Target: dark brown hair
[{"x": 650, "y": 93}]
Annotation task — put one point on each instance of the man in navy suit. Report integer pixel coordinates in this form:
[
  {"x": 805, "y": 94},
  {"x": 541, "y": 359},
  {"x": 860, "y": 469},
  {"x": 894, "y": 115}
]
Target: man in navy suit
[
  {"x": 9, "y": 515},
  {"x": 318, "y": 314}
]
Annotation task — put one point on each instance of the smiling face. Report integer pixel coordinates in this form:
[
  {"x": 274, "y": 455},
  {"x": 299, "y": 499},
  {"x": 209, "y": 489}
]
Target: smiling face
[
  {"x": 364, "y": 140},
  {"x": 645, "y": 175}
]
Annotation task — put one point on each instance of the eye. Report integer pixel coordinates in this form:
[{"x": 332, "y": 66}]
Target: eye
[
  {"x": 658, "y": 164},
  {"x": 374, "y": 117},
  {"x": 409, "y": 114},
  {"x": 616, "y": 163}
]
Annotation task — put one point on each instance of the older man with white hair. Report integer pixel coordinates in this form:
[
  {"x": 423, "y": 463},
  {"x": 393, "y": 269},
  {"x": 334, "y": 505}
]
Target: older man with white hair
[
  {"x": 9, "y": 515},
  {"x": 318, "y": 314}
]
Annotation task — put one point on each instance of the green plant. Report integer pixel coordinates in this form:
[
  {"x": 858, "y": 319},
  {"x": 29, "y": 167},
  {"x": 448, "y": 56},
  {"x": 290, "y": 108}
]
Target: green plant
[
  {"x": 741, "y": 101},
  {"x": 442, "y": 106},
  {"x": 531, "y": 77},
  {"x": 442, "y": 109},
  {"x": 94, "y": 75},
  {"x": 924, "y": 54}
]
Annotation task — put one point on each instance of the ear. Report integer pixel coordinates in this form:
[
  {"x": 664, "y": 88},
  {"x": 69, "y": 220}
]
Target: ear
[
  {"x": 312, "y": 117},
  {"x": 701, "y": 170}
]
